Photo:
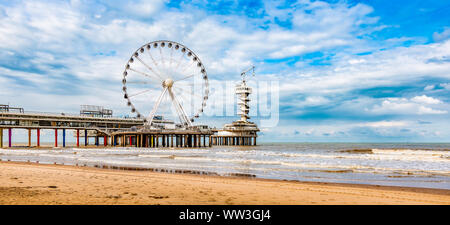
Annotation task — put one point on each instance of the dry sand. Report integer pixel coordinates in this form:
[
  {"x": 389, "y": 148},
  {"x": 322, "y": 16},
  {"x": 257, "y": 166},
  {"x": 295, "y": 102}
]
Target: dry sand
[{"x": 30, "y": 183}]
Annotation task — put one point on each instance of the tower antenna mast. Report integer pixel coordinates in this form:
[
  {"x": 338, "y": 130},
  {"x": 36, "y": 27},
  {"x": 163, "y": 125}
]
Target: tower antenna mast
[
  {"x": 244, "y": 74},
  {"x": 243, "y": 91}
]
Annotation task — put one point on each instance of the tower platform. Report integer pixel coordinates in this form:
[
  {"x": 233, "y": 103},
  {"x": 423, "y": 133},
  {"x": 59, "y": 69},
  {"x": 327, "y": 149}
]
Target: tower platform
[{"x": 237, "y": 133}]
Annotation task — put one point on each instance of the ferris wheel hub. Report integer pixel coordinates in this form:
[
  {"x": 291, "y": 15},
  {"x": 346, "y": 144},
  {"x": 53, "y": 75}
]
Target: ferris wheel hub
[{"x": 168, "y": 83}]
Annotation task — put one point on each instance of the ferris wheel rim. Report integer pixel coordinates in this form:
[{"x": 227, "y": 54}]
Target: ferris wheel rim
[{"x": 175, "y": 46}]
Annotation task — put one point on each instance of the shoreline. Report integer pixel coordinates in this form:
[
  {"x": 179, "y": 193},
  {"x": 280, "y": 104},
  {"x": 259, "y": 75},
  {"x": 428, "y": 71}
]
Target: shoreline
[
  {"x": 33, "y": 183},
  {"x": 236, "y": 175}
]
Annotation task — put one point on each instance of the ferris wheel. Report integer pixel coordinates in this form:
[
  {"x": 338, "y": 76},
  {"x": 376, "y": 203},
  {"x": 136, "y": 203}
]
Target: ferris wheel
[{"x": 167, "y": 77}]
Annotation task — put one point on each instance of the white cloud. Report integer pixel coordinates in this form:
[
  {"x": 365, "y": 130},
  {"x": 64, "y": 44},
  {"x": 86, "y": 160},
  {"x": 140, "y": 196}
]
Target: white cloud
[
  {"x": 426, "y": 100},
  {"x": 144, "y": 8},
  {"x": 444, "y": 35},
  {"x": 316, "y": 100},
  {"x": 68, "y": 33},
  {"x": 391, "y": 67},
  {"x": 428, "y": 88},
  {"x": 386, "y": 124},
  {"x": 356, "y": 61},
  {"x": 445, "y": 86},
  {"x": 36, "y": 25},
  {"x": 407, "y": 106}
]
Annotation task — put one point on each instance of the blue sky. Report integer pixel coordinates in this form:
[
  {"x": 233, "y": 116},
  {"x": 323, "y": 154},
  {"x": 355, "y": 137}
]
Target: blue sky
[{"x": 371, "y": 70}]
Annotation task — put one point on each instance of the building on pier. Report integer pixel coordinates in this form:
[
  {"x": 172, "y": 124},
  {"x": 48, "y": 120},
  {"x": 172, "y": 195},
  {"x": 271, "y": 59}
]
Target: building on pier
[
  {"x": 7, "y": 108},
  {"x": 95, "y": 111}
]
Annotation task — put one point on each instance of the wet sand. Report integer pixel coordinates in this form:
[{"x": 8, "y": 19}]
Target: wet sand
[{"x": 31, "y": 183}]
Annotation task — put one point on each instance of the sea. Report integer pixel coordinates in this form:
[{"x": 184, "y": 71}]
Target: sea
[{"x": 424, "y": 165}]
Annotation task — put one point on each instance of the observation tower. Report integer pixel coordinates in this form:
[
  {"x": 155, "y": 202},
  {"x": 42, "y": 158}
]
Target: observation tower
[{"x": 242, "y": 131}]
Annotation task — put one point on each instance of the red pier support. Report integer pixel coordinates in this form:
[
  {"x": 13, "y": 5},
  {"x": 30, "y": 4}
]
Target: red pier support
[
  {"x": 56, "y": 137},
  {"x": 38, "y": 135},
  {"x": 78, "y": 138},
  {"x": 9, "y": 137}
]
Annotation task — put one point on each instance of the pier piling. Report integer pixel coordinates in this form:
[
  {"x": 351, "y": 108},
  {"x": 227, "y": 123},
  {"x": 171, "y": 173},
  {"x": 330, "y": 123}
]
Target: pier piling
[
  {"x": 56, "y": 137},
  {"x": 64, "y": 137},
  {"x": 85, "y": 138},
  {"x": 78, "y": 138},
  {"x": 29, "y": 138},
  {"x": 9, "y": 137},
  {"x": 1, "y": 137},
  {"x": 38, "y": 136}
]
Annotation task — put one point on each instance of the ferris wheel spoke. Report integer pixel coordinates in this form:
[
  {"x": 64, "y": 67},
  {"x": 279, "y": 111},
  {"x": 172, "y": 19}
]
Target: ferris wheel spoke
[
  {"x": 153, "y": 59},
  {"x": 171, "y": 53},
  {"x": 139, "y": 93},
  {"x": 188, "y": 69},
  {"x": 186, "y": 77},
  {"x": 143, "y": 84},
  {"x": 179, "y": 60},
  {"x": 191, "y": 86},
  {"x": 162, "y": 56},
  {"x": 196, "y": 105},
  {"x": 139, "y": 82},
  {"x": 187, "y": 91},
  {"x": 144, "y": 74},
  {"x": 192, "y": 101},
  {"x": 187, "y": 101},
  {"x": 148, "y": 67},
  {"x": 187, "y": 66},
  {"x": 170, "y": 61}
]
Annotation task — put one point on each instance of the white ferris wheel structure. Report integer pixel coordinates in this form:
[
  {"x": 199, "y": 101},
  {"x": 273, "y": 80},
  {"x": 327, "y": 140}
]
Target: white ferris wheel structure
[{"x": 168, "y": 77}]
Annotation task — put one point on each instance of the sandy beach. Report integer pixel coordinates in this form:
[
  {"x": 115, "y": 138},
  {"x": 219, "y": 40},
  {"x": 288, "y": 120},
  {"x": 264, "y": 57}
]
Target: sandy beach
[{"x": 31, "y": 183}]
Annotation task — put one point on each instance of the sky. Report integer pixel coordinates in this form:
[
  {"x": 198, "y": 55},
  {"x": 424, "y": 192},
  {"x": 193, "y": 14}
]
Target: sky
[{"x": 347, "y": 71}]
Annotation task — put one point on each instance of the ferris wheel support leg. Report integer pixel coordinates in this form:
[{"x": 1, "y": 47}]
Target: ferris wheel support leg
[
  {"x": 182, "y": 113},
  {"x": 152, "y": 114}
]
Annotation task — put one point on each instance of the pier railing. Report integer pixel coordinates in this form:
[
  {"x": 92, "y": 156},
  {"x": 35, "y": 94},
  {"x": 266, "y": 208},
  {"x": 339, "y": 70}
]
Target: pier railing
[{"x": 65, "y": 115}]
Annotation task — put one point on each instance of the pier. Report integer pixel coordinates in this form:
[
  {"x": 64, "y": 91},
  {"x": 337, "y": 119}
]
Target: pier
[
  {"x": 152, "y": 130},
  {"x": 101, "y": 127}
]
